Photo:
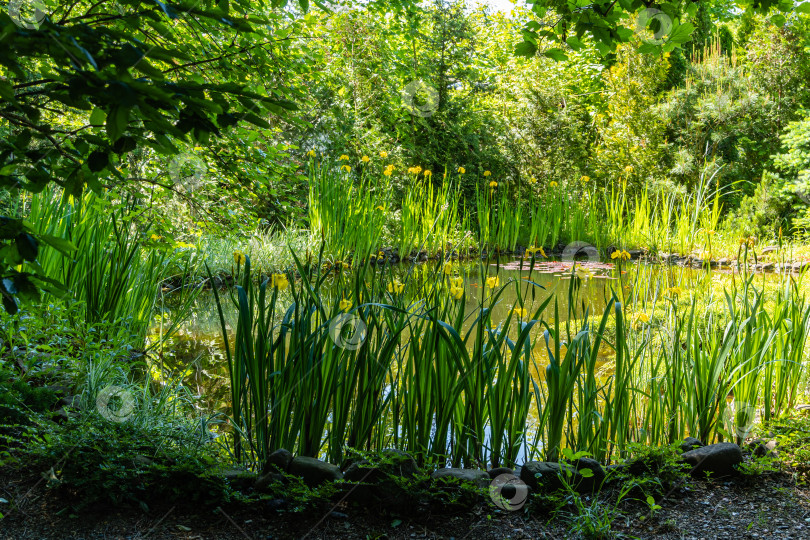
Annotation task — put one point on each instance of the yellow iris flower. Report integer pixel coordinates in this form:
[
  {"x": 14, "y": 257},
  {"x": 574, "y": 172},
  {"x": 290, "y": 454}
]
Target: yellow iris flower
[
  {"x": 487, "y": 173},
  {"x": 620, "y": 254},
  {"x": 280, "y": 281},
  {"x": 346, "y": 168},
  {"x": 640, "y": 319},
  {"x": 533, "y": 250},
  {"x": 239, "y": 257},
  {"x": 344, "y": 157},
  {"x": 673, "y": 292},
  {"x": 383, "y": 155},
  {"x": 553, "y": 184},
  {"x": 582, "y": 272},
  {"x": 461, "y": 170},
  {"x": 493, "y": 282},
  {"x": 365, "y": 159},
  {"x": 396, "y": 287},
  {"x": 345, "y": 305}
]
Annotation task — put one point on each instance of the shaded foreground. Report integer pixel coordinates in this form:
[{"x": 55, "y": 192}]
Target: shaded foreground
[{"x": 767, "y": 507}]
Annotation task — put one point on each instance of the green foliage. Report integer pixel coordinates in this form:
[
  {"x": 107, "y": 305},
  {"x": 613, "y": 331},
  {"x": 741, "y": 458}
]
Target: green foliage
[
  {"x": 85, "y": 87},
  {"x": 20, "y": 398},
  {"x": 610, "y": 23},
  {"x": 761, "y": 213},
  {"x": 100, "y": 462},
  {"x": 652, "y": 470},
  {"x": 793, "y": 438}
]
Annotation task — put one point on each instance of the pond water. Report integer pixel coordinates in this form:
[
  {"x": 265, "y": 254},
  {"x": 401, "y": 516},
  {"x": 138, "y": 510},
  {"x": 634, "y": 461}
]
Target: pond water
[{"x": 197, "y": 350}]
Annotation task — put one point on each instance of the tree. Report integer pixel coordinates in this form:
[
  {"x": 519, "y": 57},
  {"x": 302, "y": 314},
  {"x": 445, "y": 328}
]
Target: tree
[
  {"x": 668, "y": 24},
  {"x": 87, "y": 83}
]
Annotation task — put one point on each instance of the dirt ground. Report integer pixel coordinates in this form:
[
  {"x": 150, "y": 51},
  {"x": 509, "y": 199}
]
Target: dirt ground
[{"x": 770, "y": 506}]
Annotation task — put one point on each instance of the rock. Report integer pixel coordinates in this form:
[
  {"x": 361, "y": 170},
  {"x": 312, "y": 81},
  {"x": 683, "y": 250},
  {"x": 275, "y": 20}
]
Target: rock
[
  {"x": 71, "y": 402},
  {"x": 767, "y": 267},
  {"x": 718, "y": 459},
  {"x": 396, "y": 463},
  {"x": 266, "y": 480},
  {"x": 768, "y": 249},
  {"x": 474, "y": 476},
  {"x": 724, "y": 261},
  {"x": 762, "y": 448},
  {"x": 690, "y": 443},
  {"x": 635, "y": 254},
  {"x": 313, "y": 471},
  {"x": 142, "y": 461},
  {"x": 615, "y": 471},
  {"x": 542, "y": 476},
  {"x": 593, "y": 482},
  {"x": 279, "y": 460},
  {"x": 239, "y": 479},
  {"x": 494, "y": 473}
]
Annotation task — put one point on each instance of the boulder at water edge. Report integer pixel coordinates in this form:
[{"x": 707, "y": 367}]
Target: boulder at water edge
[
  {"x": 546, "y": 476},
  {"x": 278, "y": 461},
  {"x": 392, "y": 463},
  {"x": 718, "y": 459},
  {"x": 313, "y": 471},
  {"x": 474, "y": 476},
  {"x": 690, "y": 443}
]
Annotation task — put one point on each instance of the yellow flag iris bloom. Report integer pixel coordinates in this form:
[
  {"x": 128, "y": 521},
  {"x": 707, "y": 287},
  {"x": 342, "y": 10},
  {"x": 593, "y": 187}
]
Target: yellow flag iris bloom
[
  {"x": 280, "y": 281},
  {"x": 396, "y": 287}
]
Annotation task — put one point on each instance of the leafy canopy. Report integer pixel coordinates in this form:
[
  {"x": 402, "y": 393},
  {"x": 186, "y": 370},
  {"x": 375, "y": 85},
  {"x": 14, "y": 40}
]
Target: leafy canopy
[{"x": 666, "y": 25}]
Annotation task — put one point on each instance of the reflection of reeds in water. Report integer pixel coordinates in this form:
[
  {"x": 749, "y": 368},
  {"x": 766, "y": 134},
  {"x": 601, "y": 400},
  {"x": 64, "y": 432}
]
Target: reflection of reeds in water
[{"x": 502, "y": 371}]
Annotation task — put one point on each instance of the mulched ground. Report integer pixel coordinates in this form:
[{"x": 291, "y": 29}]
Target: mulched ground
[{"x": 770, "y": 506}]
